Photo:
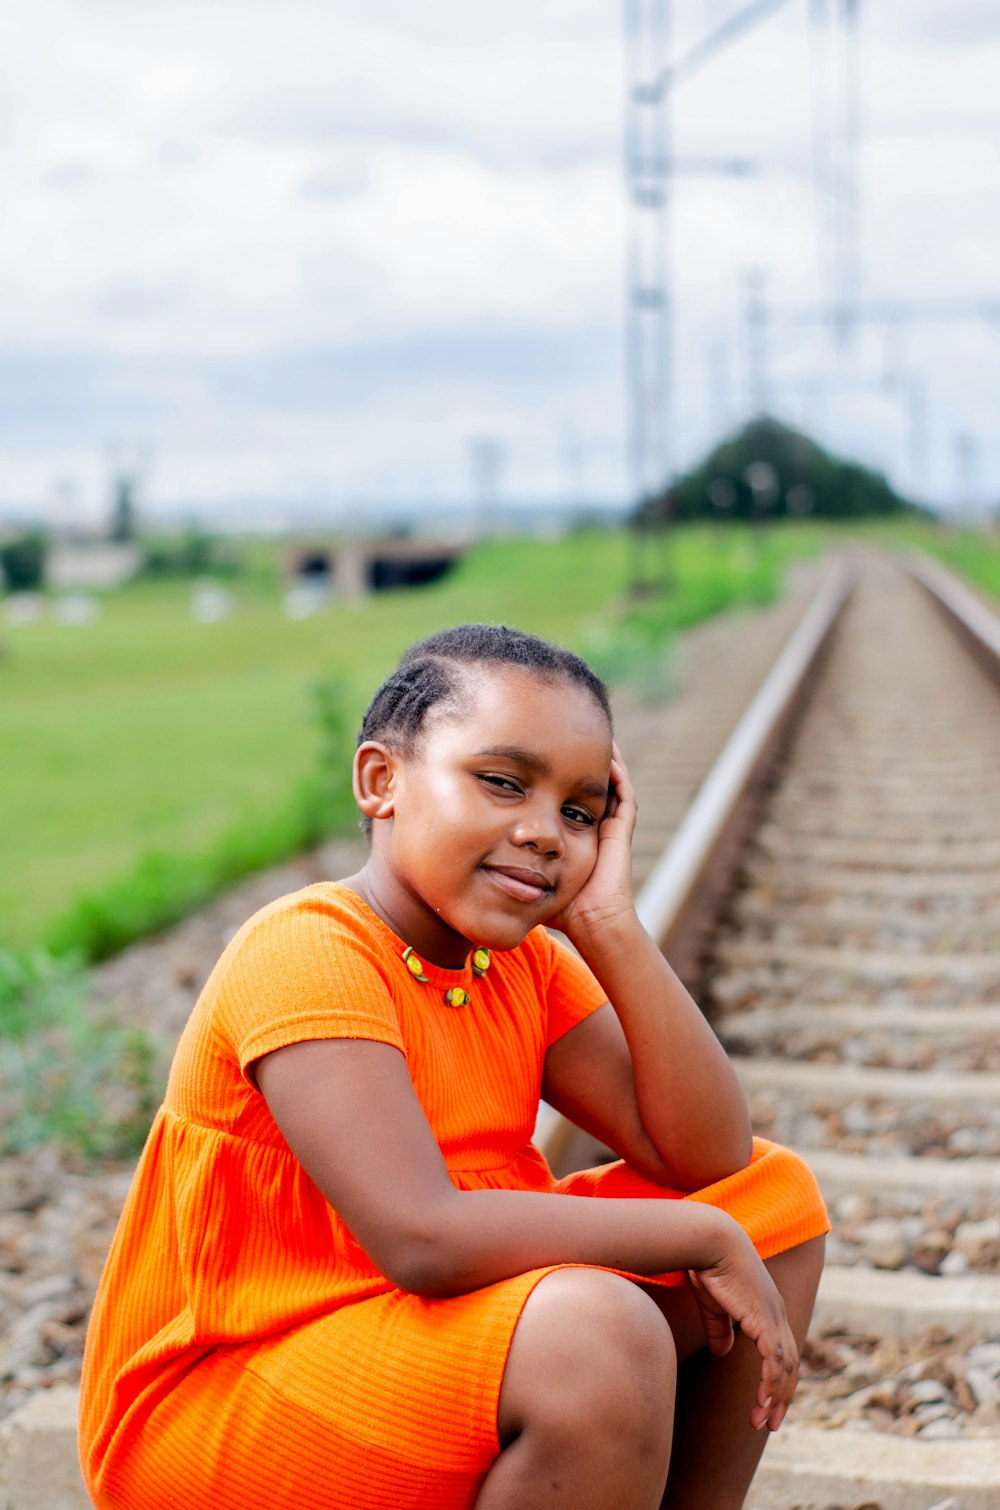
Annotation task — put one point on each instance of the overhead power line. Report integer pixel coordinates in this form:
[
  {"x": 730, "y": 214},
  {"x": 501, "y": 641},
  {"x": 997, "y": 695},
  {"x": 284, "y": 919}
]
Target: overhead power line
[{"x": 729, "y": 31}]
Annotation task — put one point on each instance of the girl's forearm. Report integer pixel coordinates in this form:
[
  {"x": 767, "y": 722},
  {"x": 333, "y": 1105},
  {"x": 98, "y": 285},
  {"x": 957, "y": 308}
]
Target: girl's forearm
[
  {"x": 483, "y": 1236},
  {"x": 690, "y": 1101}
]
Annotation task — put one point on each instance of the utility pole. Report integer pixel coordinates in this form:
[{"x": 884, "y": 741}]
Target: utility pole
[
  {"x": 756, "y": 326},
  {"x": 846, "y": 186},
  {"x": 967, "y": 467},
  {"x": 129, "y": 464},
  {"x": 487, "y": 455}
]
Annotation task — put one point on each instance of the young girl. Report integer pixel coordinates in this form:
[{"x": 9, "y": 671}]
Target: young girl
[{"x": 344, "y": 1278}]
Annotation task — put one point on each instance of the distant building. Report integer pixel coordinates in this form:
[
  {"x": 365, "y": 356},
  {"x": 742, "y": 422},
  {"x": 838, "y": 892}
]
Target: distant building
[
  {"x": 91, "y": 565},
  {"x": 351, "y": 569}
]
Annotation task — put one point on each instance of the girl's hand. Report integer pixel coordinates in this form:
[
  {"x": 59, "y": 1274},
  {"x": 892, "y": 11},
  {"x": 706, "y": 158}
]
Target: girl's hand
[
  {"x": 607, "y": 894},
  {"x": 738, "y": 1288}
]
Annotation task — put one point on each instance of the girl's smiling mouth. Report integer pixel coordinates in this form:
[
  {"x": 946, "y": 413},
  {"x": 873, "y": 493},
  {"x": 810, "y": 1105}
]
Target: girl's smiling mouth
[{"x": 520, "y": 883}]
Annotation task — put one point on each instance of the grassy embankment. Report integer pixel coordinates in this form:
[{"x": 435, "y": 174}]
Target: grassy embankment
[
  {"x": 973, "y": 554},
  {"x": 160, "y": 758}
]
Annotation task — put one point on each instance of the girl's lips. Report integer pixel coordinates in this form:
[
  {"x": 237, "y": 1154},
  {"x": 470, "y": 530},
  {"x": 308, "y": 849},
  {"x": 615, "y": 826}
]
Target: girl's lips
[{"x": 516, "y": 883}]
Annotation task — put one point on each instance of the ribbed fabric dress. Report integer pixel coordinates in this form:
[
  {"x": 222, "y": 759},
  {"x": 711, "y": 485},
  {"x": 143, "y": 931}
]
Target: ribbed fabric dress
[{"x": 244, "y": 1353}]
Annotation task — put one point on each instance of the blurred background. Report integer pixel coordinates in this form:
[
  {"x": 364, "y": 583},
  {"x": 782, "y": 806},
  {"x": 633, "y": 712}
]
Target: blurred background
[
  {"x": 331, "y": 262},
  {"x": 322, "y": 325}
]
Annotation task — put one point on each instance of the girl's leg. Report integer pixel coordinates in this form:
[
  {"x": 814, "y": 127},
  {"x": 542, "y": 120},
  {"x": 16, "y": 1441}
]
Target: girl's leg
[
  {"x": 715, "y": 1449},
  {"x": 586, "y": 1405}
]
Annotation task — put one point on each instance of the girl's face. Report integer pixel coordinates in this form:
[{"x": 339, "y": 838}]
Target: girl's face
[{"x": 494, "y": 817}]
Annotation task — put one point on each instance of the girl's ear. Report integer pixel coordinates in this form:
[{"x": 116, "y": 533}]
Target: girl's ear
[{"x": 374, "y": 768}]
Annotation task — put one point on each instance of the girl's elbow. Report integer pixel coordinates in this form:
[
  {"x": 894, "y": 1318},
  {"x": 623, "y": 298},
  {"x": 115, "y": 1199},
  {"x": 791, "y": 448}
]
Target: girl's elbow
[
  {"x": 697, "y": 1168},
  {"x": 426, "y": 1262},
  {"x": 420, "y": 1272},
  {"x": 730, "y": 1160}
]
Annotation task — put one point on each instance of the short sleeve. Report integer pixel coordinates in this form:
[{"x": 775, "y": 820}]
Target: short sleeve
[
  {"x": 303, "y": 968},
  {"x": 574, "y": 992}
]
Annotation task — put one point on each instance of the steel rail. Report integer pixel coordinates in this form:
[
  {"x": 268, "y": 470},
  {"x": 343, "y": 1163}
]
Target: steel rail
[
  {"x": 807, "y": 1462},
  {"x": 976, "y": 624},
  {"x": 681, "y": 898}
]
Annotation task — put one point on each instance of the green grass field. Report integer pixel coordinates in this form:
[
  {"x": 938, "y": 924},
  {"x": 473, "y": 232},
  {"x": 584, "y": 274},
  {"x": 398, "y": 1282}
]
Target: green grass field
[{"x": 149, "y": 734}]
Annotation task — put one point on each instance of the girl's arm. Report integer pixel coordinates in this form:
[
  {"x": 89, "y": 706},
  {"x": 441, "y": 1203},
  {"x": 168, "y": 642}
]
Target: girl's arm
[
  {"x": 350, "y": 1115},
  {"x": 651, "y": 1077}
]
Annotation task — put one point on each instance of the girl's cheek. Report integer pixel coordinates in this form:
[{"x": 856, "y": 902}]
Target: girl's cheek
[{"x": 587, "y": 864}]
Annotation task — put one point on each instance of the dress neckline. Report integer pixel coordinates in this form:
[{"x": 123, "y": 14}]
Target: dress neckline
[{"x": 436, "y": 975}]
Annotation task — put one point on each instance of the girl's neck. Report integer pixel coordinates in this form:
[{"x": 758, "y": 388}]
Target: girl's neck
[{"x": 408, "y": 916}]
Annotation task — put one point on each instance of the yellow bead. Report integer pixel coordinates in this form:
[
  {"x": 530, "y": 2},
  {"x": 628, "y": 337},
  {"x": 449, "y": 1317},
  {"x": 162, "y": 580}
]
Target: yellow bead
[
  {"x": 456, "y": 997},
  {"x": 414, "y": 964},
  {"x": 481, "y": 961}
]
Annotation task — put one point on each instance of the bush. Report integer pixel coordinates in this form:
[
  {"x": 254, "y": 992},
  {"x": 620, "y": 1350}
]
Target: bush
[
  {"x": 162, "y": 889},
  {"x": 195, "y": 554},
  {"x": 336, "y": 745},
  {"x": 22, "y": 562},
  {"x": 637, "y": 650}
]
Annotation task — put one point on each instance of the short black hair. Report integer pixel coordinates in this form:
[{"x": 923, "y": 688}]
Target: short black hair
[{"x": 428, "y": 676}]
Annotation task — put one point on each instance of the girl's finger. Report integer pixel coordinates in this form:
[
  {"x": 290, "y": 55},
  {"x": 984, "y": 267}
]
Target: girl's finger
[
  {"x": 621, "y": 797},
  {"x": 775, "y": 1420},
  {"x": 716, "y": 1322},
  {"x": 779, "y": 1378},
  {"x": 620, "y": 772}
]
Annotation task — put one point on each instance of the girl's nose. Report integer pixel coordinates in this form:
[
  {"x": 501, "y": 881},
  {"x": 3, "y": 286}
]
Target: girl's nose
[{"x": 539, "y": 833}]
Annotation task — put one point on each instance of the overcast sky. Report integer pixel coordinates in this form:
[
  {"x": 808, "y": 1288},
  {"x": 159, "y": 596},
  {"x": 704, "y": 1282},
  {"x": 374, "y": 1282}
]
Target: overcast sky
[{"x": 311, "y": 250}]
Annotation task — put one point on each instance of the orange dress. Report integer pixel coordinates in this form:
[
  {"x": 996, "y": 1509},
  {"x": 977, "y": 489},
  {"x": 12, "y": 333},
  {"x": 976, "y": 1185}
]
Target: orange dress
[{"x": 244, "y": 1353}]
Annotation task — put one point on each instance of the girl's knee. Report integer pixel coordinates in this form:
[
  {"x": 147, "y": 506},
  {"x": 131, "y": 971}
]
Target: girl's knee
[
  {"x": 590, "y": 1347},
  {"x": 592, "y": 1306}
]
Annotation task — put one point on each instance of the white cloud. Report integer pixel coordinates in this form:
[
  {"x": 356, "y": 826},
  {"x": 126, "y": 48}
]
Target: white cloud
[{"x": 331, "y": 241}]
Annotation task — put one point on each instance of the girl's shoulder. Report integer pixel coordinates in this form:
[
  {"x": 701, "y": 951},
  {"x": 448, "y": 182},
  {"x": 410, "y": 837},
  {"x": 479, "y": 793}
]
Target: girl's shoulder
[
  {"x": 311, "y": 964},
  {"x": 302, "y": 948},
  {"x": 325, "y": 911}
]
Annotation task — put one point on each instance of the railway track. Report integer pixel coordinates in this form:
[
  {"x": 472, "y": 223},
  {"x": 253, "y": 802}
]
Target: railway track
[
  {"x": 835, "y": 905},
  {"x": 832, "y": 894}
]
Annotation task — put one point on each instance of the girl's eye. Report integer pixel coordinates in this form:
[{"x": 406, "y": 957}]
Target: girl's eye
[
  {"x": 579, "y": 815},
  {"x": 502, "y": 783}
]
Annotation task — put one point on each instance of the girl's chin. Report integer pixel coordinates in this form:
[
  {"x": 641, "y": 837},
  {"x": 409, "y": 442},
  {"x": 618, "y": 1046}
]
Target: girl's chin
[{"x": 508, "y": 932}]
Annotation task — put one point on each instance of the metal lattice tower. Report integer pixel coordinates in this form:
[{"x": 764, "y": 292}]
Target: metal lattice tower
[
  {"x": 649, "y": 342},
  {"x": 650, "y": 166}
]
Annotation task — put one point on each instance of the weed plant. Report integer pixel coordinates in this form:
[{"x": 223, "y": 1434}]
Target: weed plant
[{"x": 68, "y": 1075}]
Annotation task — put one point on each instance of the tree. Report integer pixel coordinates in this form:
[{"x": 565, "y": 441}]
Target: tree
[
  {"x": 22, "y": 562},
  {"x": 769, "y": 468}
]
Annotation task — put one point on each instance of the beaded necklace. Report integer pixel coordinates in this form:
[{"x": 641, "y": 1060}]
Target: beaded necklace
[{"x": 455, "y": 996}]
